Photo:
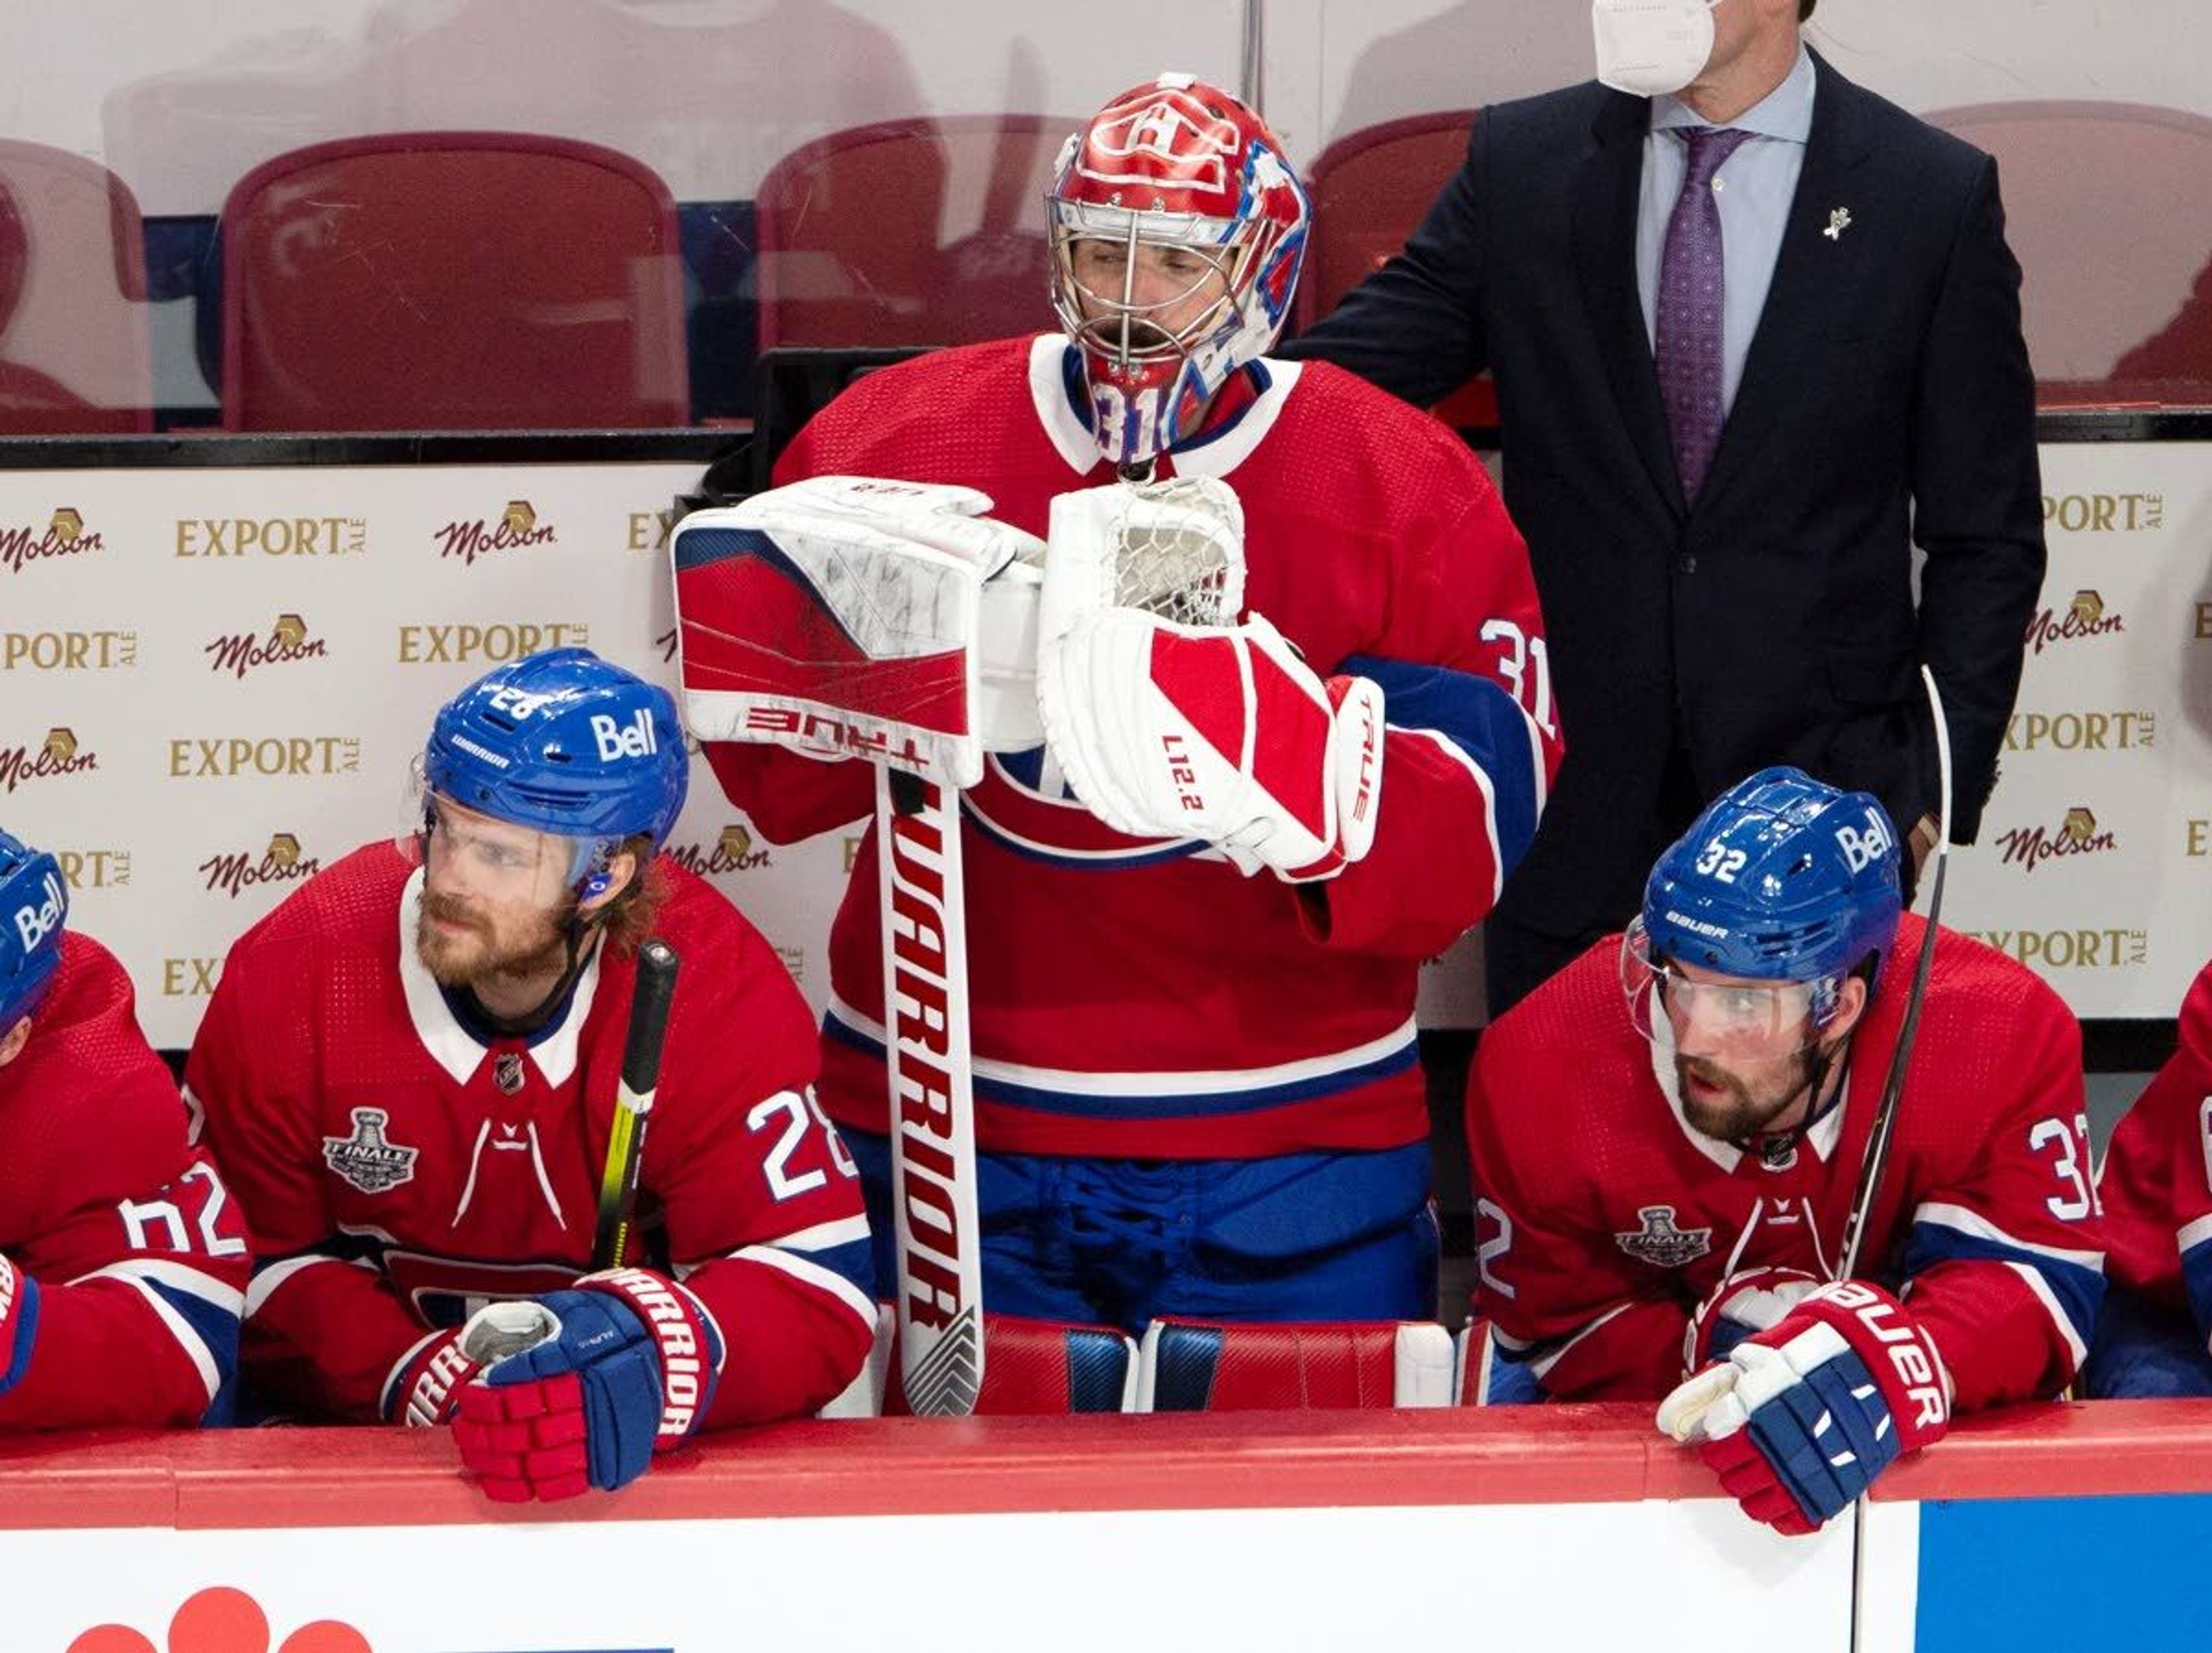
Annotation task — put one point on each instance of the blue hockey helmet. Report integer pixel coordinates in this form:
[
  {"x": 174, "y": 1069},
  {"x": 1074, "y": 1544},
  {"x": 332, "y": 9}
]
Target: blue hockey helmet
[
  {"x": 566, "y": 742},
  {"x": 33, "y": 908},
  {"x": 1783, "y": 878}
]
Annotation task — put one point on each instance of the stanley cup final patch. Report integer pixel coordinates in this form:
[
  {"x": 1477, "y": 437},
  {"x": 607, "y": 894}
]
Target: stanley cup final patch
[
  {"x": 366, "y": 1158},
  {"x": 1660, "y": 1244}
]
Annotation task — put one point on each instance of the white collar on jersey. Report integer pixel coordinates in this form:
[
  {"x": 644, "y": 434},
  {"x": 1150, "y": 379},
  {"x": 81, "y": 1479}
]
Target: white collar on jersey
[
  {"x": 450, "y": 1045},
  {"x": 1827, "y": 1131},
  {"x": 1214, "y": 456}
]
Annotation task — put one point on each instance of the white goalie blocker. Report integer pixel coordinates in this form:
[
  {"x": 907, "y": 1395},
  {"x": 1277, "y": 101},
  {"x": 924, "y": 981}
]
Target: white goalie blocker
[{"x": 848, "y": 617}]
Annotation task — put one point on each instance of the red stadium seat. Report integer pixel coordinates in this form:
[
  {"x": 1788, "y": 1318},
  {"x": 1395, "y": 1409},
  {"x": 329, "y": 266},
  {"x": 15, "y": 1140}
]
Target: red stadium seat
[
  {"x": 1310, "y": 1366},
  {"x": 75, "y": 351},
  {"x": 461, "y": 281},
  {"x": 2106, "y": 209},
  {"x": 909, "y": 232},
  {"x": 1370, "y": 190},
  {"x": 1031, "y": 1368}
]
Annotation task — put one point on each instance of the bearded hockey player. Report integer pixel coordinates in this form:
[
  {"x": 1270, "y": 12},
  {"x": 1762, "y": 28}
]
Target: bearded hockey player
[
  {"x": 2157, "y": 1186},
  {"x": 1205, "y": 859},
  {"x": 413, "y": 1062},
  {"x": 1667, "y": 1137},
  {"x": 123, "y": 1259}
]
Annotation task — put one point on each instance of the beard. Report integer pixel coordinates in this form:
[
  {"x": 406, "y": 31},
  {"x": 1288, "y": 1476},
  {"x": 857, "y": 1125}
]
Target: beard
[
  {"x": 482, "y": 947},
  {"x": 1728, "y": 1106}
]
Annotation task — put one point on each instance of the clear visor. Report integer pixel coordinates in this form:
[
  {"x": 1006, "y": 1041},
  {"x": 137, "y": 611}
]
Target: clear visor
[
  {"x": 1144, "y": 287},
  {"x": 470, "y": 856},
  {"x": 1743, "y": 1019}
]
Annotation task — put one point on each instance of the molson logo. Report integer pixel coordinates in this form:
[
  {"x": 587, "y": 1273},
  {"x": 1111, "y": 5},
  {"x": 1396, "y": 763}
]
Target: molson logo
[
  {"x": 2085, "y": 616},
  {"x": 2081, "y": 732},
  {"x": 95, "y": 869},
  {"x": 2077, "y": 835},
  {"x": 211, "y": 537},
  {"x": 68, "y": 651},
  {"x": 437, "y": 644},
  {"x": 2104, "y": 514},
  {"x": 59, "y": 754},
  {"x": 241, "y": 652},
  {"x": 732, "y": 852},
  {"x": 281, "y": 863},
  {"x": 518, "y": 527},
  {"x": 63, "y": 535},
  {"x": 2072, "y": 949}
]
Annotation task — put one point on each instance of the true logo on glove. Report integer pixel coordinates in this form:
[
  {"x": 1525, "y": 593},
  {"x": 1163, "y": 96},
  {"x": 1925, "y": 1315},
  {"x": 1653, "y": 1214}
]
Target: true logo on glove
[{"x": 1908, "y": 1350}]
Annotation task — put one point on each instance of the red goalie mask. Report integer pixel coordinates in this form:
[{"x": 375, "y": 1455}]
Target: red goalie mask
[{"x": 1178, "y": 228}]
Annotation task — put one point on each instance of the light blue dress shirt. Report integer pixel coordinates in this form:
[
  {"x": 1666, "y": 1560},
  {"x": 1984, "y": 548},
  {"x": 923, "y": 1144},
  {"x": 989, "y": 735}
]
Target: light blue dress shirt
[{"x": 1754, "y": 188}]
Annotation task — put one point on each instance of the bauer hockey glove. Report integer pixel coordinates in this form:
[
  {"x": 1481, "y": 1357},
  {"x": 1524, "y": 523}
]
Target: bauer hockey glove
[
  {"x": 1222, "y": 733},
  {"x": 580, "y": 1389},
  {"x": 1801, "y": 1418},
  {"x": 19, "y": 1323}
]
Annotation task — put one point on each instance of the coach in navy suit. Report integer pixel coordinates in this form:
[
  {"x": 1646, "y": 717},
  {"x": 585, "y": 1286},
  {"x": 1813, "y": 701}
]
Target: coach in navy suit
[{"x": 1739, "y": 372}]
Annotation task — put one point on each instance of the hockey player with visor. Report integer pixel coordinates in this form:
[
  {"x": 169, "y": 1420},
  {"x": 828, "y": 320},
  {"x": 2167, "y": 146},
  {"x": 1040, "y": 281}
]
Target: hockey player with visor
[
  {"x": 1669, "y": 1142},
  {"x": 416, "y": 1061}
]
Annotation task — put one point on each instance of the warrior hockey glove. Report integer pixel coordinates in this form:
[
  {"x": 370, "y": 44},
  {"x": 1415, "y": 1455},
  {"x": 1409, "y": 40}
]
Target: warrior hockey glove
[
  {"x": 580, "y": 1389},
  {"x": 1801, "y": 1418},
  {"x": 1221, "y": 733},
  {"x": 425, "y": 1387},
  {"x": 19, "y": 1323},
  {"x": 1750, "y": 1300}
]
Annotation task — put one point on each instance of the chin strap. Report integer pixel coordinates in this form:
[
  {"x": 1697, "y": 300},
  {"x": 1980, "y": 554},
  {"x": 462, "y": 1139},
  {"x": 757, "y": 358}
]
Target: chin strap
[
  {"x": 1775, "y": 1148},
  {"x": 578, "y": 934}
]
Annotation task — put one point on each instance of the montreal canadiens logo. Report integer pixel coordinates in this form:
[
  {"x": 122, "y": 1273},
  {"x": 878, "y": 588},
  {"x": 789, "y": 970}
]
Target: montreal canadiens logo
[
  {"x": 1662, "y": 1245},
  {"x": 367, "y": 1159},
  {"x": 1023, "y": 802}
]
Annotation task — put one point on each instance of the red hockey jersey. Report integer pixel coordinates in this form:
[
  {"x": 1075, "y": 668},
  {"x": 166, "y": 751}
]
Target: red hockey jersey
[
  {"x": 1603, "y": 1219},
  {"x": 1140, "y": 997},
  {"x": 138, "y": 1249},
  {"x": 397, "y": 1173},
  {"x": 2157, "y": 1176}
]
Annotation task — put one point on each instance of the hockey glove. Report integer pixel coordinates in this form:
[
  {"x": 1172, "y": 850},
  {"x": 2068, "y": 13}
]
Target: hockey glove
[
  {"x": 580, "y": 1389},
  {"x": 425, "y": 1387},
  {"x": 1750, "y": 1300},
  {"x": 1801, "y": 1418},
  {"x": 1220, "y": 733},
  {"x": 19, "y": 1323}
]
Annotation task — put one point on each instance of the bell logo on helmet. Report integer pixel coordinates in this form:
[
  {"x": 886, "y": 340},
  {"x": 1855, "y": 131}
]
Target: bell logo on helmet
[
  {"x": 1861, "y": 849},
  {"x": 35, "y": 922},
  {"x": 619, "y": 740}
]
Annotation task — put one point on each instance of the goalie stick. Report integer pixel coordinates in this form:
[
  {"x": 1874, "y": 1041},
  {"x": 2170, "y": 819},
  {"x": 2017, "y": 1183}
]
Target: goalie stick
[{"x": 650, "y": 998}]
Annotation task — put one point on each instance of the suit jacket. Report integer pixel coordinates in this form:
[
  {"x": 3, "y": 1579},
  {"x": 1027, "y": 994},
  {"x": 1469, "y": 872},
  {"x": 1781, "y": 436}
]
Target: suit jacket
[{"x": 1887, "y": 397}]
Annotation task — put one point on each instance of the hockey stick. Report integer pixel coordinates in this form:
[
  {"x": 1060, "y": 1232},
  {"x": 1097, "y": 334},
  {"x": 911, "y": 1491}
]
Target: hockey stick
[
  {"x": 641, "y": 1077},
  {"x": 925, "y": 1049},
  {"x": 1885, "y": 1117}
]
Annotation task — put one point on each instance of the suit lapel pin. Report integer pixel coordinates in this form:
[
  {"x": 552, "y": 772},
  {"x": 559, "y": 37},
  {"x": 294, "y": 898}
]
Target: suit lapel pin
[{"x": 1838, "y": 221}]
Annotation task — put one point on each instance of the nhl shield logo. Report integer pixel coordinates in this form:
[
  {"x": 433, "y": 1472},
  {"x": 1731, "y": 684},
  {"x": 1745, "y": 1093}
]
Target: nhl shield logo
[
  {"x": 366, "y": 1159},
  {"x": 1660, "y": 1244}
]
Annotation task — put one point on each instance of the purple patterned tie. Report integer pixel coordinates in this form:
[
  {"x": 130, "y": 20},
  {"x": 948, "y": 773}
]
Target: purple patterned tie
[{"x": 1691, "y": 289}]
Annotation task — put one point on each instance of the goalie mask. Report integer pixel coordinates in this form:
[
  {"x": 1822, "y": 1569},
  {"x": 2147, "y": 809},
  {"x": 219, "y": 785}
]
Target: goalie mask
[
  {"x": 33, "y": 908},
  {"x": 1177, "y": 230},
  {"x": 547, "y": 766}
]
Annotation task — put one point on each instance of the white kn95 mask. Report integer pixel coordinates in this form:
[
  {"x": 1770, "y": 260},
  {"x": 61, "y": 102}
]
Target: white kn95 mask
[{"x": 1651, "y": 47}]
